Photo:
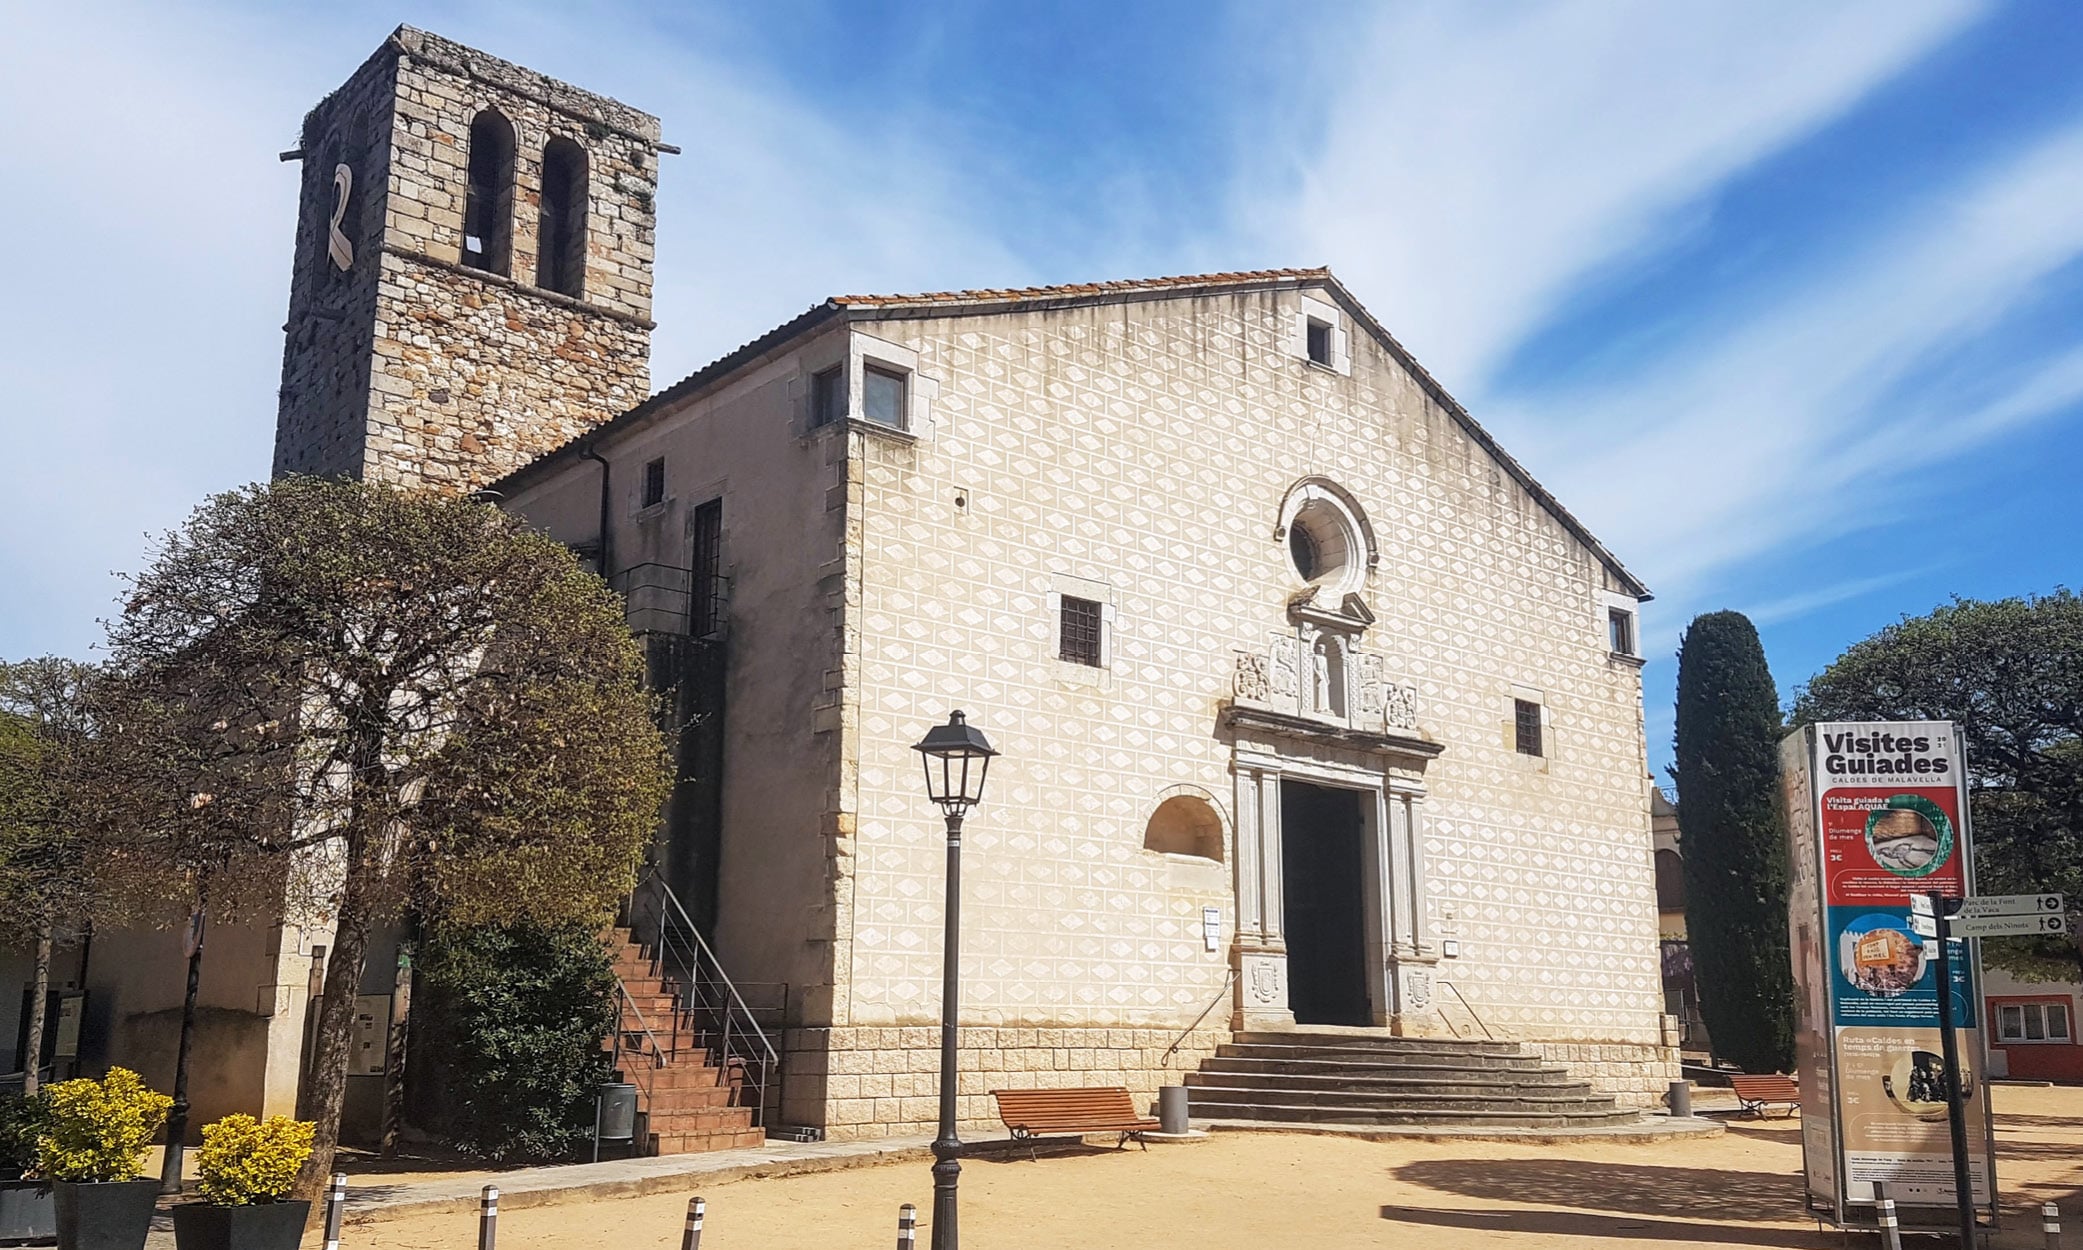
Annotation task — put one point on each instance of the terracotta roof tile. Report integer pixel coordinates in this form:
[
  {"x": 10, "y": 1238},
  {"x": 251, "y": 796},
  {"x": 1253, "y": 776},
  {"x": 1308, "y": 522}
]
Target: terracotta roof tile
[{"x": 1076, "y": 289}]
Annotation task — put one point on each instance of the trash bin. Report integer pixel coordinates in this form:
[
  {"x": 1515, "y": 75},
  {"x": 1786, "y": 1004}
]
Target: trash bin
[
  {"x": 1171, "y": 1109},
  {"x": 614, "y": 1115}
]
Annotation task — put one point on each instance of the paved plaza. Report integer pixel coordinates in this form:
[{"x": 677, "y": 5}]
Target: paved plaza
[{"x": 1263, "y": 1190}]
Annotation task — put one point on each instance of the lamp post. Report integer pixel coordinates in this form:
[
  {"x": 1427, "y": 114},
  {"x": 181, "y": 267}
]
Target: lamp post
[{"x": 956, "y": 757}]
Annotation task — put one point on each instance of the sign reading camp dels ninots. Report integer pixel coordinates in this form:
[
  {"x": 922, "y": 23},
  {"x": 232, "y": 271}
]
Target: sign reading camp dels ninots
[{"x": 1877, "y": 822}]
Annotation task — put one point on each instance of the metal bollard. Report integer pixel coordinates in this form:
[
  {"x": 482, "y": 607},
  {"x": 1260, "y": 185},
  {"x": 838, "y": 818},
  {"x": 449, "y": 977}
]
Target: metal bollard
[
  {"x": 488, "y": 1218},
  {"x": 335, "y": 1210},
  {"x": 2050, "y": 1224},
  {"x": 1680, "y": 1099},
  {"x": 692, "y": 1238},
  {"x": 1890, "y": 1231},
  {"x": 907, "y": 1226}
]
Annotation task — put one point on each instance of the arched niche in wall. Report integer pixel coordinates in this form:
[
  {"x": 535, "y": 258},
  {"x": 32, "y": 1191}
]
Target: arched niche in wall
[{"x": 1187, "y": 821}]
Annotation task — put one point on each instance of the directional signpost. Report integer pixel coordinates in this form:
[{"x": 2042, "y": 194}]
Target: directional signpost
[{"x": 1987, "y": 915}]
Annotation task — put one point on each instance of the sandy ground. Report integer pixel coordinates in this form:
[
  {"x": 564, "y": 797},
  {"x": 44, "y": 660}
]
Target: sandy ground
[{"x": 1275, "y": 1190}]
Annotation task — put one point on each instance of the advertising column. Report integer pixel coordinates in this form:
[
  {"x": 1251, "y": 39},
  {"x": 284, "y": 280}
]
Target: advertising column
[{"x": 1887, "y": 824}]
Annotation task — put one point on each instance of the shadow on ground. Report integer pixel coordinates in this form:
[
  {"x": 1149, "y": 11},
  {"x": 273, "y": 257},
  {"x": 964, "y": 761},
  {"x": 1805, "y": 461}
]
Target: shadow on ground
[
  {"x": 1585, "y": 1224},
  {"x": 1709, "y": 1196}
]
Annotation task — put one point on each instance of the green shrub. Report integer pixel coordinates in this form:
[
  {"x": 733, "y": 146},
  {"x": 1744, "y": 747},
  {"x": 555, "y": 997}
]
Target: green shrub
[
  {"x": 244, "y": 1160},
  {"x": 22, "y": 1117},
  {"x": 508, "y": 1027},
  {"x": 99, "y": 1130}
]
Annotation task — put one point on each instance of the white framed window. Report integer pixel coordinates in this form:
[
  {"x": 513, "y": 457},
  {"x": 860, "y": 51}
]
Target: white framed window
[
  {"x": 2033, "y": 1023},
  {"x": 1320, "y": 335},
  {"x": 883, "y": 391},
  {"x": 1622, "y": 622}
]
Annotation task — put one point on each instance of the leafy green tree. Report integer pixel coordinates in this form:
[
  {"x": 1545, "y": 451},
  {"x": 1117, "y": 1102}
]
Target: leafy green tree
[
  {"x": 1734, "y": 840},
  {"x": 47, "y": 892},
  {"x": 511, "y": 1021},
  {"x": 2009, "y": 672},
  {"x": 339, "y": 700}
]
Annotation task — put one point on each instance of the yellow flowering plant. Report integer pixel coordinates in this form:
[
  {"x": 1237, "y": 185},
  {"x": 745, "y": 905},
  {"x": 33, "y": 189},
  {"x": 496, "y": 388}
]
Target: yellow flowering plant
[
  {"x": 99, "y": 1130},
  {"x": 244, "y": 1160}
]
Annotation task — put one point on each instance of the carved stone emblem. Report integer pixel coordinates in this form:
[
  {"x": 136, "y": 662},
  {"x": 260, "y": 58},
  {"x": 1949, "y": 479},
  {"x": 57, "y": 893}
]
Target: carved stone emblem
[
  {"x": 1367, "y": 688},
  {"x": 1263, "y": 982},
  {"x": 1417, "y": 989},
  {"x": 1250, "y": 683},
  {"x": 1399, "y": 706},
  {"x": 1286, "y": 674}
]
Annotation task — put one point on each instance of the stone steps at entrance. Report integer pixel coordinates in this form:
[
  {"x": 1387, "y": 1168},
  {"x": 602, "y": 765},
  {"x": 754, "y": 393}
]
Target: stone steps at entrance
[
  {"x": 1329, "y": 1077},
  {"x": 690, "y": 1102}
]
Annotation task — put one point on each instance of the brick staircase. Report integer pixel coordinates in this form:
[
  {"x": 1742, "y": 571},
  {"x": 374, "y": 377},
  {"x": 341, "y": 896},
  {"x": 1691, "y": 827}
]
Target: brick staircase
[
  {"x": 690, "y": 1103},
  {"x": 1374, "y": 1079}
]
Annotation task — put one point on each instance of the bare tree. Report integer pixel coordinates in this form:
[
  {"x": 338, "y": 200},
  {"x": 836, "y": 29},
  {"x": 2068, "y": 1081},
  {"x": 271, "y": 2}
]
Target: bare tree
[{"x": 337, "y": 699}]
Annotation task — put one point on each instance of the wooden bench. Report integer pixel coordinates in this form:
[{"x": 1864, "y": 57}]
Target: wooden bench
[
  {"x": 1032, "y": 1113},
  {"x": 1755, "y": 1093}
]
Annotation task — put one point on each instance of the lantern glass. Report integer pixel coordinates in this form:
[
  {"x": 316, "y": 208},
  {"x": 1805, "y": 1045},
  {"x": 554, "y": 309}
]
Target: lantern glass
[{"x": 957, "y": 757}]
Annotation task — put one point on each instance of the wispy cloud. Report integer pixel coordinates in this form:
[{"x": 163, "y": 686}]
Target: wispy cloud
[
  {"x": 142, "y": 371},
  {"x": 1791, "y": 428},
  {"x": 1480, "y": 161}
]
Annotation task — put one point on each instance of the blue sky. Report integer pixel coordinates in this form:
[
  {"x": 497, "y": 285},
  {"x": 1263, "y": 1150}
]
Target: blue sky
[{"x": 1785, "y": 300}]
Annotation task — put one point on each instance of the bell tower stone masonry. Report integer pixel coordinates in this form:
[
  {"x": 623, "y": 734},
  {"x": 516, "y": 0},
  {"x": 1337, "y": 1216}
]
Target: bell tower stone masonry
[{"x": 472, "y": 284}]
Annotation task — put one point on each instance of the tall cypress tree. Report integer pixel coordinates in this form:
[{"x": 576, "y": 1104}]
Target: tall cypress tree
[{"x": 1733, "y": 837}]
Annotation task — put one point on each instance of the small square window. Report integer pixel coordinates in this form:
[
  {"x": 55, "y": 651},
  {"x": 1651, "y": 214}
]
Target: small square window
[
  {"x": 1526, "y": 726},
  {"x": 1319, "y": 341},
  {"x": 1620, "y": 631},
  {"x": 1078, "y": 633},
  {"x": 654, "y": 482},
  {"x": 882, "y": 397},
  {"x": 827, "y": 396}
]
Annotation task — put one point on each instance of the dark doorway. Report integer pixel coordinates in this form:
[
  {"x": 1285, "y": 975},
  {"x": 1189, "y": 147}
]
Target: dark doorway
[{"x": 1322, "y": 864}]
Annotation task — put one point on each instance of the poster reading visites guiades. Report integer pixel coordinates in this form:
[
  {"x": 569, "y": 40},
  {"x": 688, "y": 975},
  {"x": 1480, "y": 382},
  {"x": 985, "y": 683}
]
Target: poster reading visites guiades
[{"x": 1876, "y": 817}]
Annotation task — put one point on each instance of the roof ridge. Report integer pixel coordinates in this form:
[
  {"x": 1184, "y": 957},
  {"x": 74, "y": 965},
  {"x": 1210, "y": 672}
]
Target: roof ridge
[{"x": 1236, "y": 277}]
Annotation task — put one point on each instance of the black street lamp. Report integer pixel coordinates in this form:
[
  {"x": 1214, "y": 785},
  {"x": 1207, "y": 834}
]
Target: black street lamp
[{"x": 956, "y": 757}]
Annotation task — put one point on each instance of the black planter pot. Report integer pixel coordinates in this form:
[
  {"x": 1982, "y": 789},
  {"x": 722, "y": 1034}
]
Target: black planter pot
[
  {"x": 262, "y": 1226},
  {"x": 27, "y": 1212},
  {"x": 105, "y": 1215}
]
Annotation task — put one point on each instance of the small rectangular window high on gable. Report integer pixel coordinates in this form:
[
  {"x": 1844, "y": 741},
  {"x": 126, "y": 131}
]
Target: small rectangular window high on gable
[
  {"x": 654, "y": 482},
  {"x": 1620, "y": 631},
  {"x": 1078, "y": 631},
  {"x": 1319, "y": 342}
]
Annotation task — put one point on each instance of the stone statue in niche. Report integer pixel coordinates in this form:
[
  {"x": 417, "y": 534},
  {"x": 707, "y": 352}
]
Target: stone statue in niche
[
  {"x": 1327, "y": 667},
  {"x": 1251, "y": 683}
]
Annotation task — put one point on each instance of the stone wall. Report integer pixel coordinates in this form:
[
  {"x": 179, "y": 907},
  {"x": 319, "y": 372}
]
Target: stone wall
[
  {"x": 1635, "y": 1074},
  {"x": 882, "y": 1082}
]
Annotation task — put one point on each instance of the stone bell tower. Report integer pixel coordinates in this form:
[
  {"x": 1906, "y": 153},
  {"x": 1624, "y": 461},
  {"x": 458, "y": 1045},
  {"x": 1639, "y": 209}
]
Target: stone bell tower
[{"x": 472, "y": 284}]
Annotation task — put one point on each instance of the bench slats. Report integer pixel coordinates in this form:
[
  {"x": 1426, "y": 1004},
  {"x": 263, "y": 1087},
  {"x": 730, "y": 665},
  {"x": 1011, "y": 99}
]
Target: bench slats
[{"x": 1109, "y": 1109}]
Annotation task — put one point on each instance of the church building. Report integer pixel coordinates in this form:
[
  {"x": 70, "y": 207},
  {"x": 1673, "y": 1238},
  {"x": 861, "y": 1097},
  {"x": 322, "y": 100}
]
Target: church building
[{"x": 1316, "y": 711}]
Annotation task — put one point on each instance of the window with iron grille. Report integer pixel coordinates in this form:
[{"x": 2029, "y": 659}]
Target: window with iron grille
[
  {"x": 1526, "y": 724},
  {"x": 704, "y": 612},
  {"x": 654, "y": 482},
  {"x": 1079, "y": 632}
]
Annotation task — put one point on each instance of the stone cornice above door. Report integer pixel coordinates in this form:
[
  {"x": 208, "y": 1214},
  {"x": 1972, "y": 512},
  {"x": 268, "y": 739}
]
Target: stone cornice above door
[{"x": 1239, "y": 715}]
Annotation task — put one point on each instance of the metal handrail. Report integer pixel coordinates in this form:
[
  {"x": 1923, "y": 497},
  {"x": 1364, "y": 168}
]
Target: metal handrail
[
  {"x": 1229, "y": 979},
  {"x": 644, "y": 1026},
  {"x": 1471, "y": 1014},
  {"x": 714, "y": 1005}
]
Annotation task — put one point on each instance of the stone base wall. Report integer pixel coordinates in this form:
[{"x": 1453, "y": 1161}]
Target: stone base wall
[
  {"x": 881, "y": 1082},
  {"x": 1636, "y": 1074}
]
